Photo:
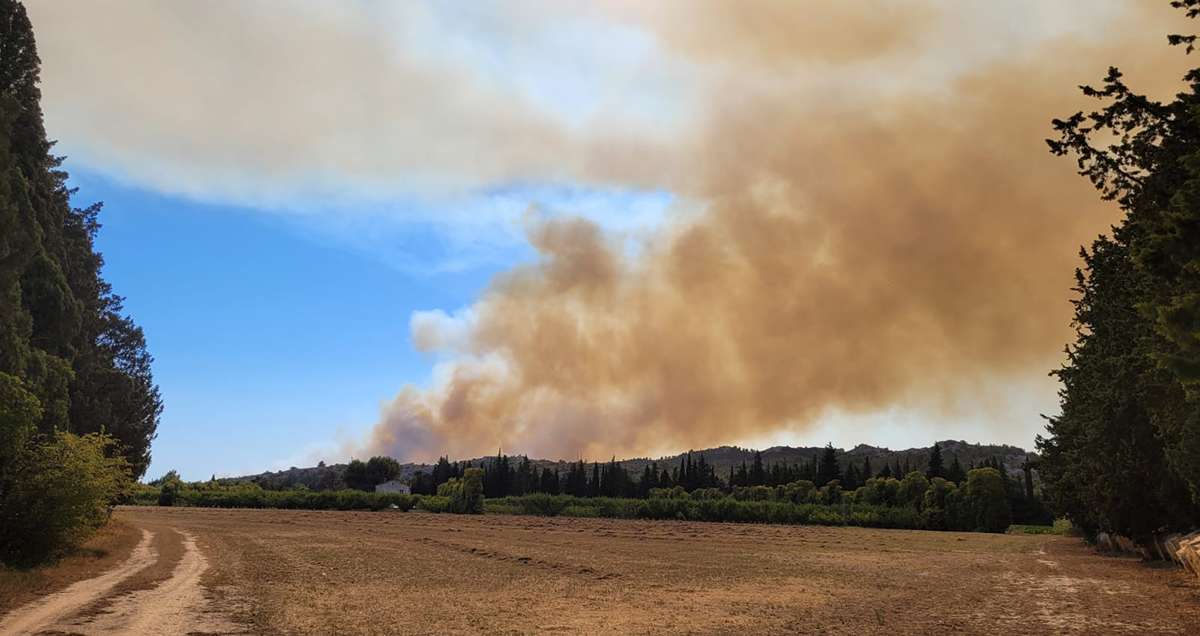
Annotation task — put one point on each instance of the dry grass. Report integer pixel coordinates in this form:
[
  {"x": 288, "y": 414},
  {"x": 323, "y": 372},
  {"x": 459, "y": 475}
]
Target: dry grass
[
  {"x": 108, "y": 547},
  {"x": 304, "y": 572}
]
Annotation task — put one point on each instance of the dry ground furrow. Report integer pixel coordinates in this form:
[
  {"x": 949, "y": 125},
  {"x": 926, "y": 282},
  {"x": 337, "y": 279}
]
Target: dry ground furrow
[
  {"x": 41, "y": 614},
  {"x": 303, "y": 572}
]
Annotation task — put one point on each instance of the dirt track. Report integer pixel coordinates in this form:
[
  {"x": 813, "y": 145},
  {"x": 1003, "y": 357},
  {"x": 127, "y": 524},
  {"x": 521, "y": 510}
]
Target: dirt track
[{"x": 296, "y": 572}]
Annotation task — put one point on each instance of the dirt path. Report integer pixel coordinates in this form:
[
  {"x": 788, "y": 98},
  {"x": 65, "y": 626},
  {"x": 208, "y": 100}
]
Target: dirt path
[
  {"x": 157, "y": 605},
  {"x": 346, "y": 573},
  {"x": 40, "y": 614},
  {"x": 289, "y": 572}
]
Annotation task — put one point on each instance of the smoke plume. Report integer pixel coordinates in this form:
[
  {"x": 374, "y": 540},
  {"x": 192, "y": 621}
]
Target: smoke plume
[{"x": 858, "y": 248}]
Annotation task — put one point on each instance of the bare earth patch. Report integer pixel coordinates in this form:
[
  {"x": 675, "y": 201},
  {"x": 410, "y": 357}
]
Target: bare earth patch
[
  {"x": 198, "y": 571},
  {"x": 309, "y": 572}
]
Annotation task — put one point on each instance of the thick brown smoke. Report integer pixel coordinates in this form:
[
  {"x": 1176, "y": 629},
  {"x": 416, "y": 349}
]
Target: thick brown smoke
[{"x": 858, "y": 248}]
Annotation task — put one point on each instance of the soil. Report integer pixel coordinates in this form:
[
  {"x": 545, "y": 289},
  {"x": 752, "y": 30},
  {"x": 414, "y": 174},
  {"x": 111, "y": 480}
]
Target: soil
[{"x": 317, "y": 572}]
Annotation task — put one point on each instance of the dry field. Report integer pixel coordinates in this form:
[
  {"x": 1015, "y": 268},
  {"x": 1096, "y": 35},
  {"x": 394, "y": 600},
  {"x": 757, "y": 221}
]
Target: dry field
[{"x": 208, "y": 571}]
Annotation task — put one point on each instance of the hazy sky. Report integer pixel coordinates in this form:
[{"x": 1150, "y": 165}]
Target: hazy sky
[{"x": 586, "y": 228}]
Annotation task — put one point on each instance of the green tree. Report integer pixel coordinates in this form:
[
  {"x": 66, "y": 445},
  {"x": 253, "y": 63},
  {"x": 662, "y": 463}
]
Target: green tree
[
  {"x": 987, "y": 501},
  {"x": 466, "y": 494},
  {"x": 1143, "y": 154},
  {"x": 934, "y": 508},
  {"x": 935, "y": 463},
  {"x": 1104, "y": 464},
  {"x": 912, "y": 490},
  {"x": 758, "y": 475},
  {"x": 380, "y": 469},
  {"x": 357, "y": 476},
  {"x": 956, "y": 473},
  {"x": 169, "y": 486},
  {"x": 62, "y": 328},
  {"x": 828, "y": 469}
]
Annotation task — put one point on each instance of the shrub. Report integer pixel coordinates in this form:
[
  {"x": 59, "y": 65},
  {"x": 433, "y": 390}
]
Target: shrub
[
  {"x": 57, "y": 493},
  {"x": 707, "y": 493},
  {"x": 880, "y": 491},
  {"x": 911, "y": 491},
  {"x": 801, "y": 491},
  {"x": 753, "y": 493},
  {"x": 831, "y": 493},
  {"x": 431, "y": 503},
  {"x": 541, "y": 504}
]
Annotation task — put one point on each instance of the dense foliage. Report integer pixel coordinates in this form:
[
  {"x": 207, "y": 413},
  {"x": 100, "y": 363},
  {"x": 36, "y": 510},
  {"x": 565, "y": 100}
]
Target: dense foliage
[
  {"x": 170, "y": 491},
  {"x": 78, "y": 407},
  {"x": 980, "y": 505},
  {"x": 1123, "y": 455},
  {"x": 915, "y": 502},
  {"x": 816, "y": 482}
]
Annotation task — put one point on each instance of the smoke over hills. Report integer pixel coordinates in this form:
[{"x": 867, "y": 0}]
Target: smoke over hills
[
  {"x": 860, "y": 246},
  {"x": 867, "y": 216}
]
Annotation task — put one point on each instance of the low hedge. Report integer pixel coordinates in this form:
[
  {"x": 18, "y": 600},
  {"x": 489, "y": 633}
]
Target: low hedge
[
  {"x": 287, "y": 499},
  {"x": 725, "y": 509}
]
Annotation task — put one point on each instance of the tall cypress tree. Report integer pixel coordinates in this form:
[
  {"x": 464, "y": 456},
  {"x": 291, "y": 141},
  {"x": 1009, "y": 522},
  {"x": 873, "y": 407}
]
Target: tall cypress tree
[
  {"x": 62, "y": 329},
  {"x": 828, "y": 469},
  {"x": 758, "y": 476},
  {"x": 935, "y": 468}
]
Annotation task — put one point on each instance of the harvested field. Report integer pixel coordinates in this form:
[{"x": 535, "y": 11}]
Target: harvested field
[{"x": 309, "y": 572}]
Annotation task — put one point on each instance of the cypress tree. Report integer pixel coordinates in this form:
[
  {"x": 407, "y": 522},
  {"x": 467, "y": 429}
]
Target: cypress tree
[
  {"x": 758, "y": 476},
  {"x": 956, "y": 473},
  {"x": 828, "y": 469},
  {"x": 63, "y": 331},
  {"x": 935, "y": 463}
]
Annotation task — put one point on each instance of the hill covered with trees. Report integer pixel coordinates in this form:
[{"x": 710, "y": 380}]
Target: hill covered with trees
[{"x": 724, "y": 467}]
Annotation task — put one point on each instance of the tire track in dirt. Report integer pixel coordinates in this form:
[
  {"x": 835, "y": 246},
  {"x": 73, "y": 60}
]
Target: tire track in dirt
[
  {"x": 178, "y": 605},
  {"x": 40, "y": 614}
]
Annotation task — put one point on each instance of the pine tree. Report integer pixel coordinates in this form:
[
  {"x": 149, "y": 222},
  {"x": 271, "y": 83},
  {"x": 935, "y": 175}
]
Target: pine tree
[
  {"x": 935, "y": 463},
  {"x": 956, "y": 473},
  {"x": 828, "y": 469},
  {"x": 758, "y": 476}
]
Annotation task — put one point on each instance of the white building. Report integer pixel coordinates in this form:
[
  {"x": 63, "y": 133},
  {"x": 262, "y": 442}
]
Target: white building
[{"x": 394, "y": 485}]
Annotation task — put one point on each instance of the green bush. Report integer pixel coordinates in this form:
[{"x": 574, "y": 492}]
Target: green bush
[
  {"x": 912, "y": 490},
  {"x": 244, "y": 495},
  {"x": 437, "y": 504},
  {"x": 726, "y": 509},
  {"x": 56, "y": 493}
]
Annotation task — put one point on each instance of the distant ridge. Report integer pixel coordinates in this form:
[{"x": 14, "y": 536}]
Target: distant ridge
[{"x": 722, "y": 458}]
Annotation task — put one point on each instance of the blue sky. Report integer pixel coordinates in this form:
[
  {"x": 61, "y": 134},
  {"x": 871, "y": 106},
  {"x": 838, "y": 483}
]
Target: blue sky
[{"x": 265, "y": 339}]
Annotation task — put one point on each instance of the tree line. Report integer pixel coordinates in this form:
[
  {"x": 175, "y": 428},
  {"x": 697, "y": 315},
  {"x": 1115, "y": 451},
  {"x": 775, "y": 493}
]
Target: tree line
[
  {"x": 504, "y": 476},
  {"x": 1123, "y": 454},
  {"x": 78, "y": 405}
]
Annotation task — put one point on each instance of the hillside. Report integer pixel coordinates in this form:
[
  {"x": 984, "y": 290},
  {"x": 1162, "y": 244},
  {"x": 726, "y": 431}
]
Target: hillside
[{"x": 322, "y": 477}]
